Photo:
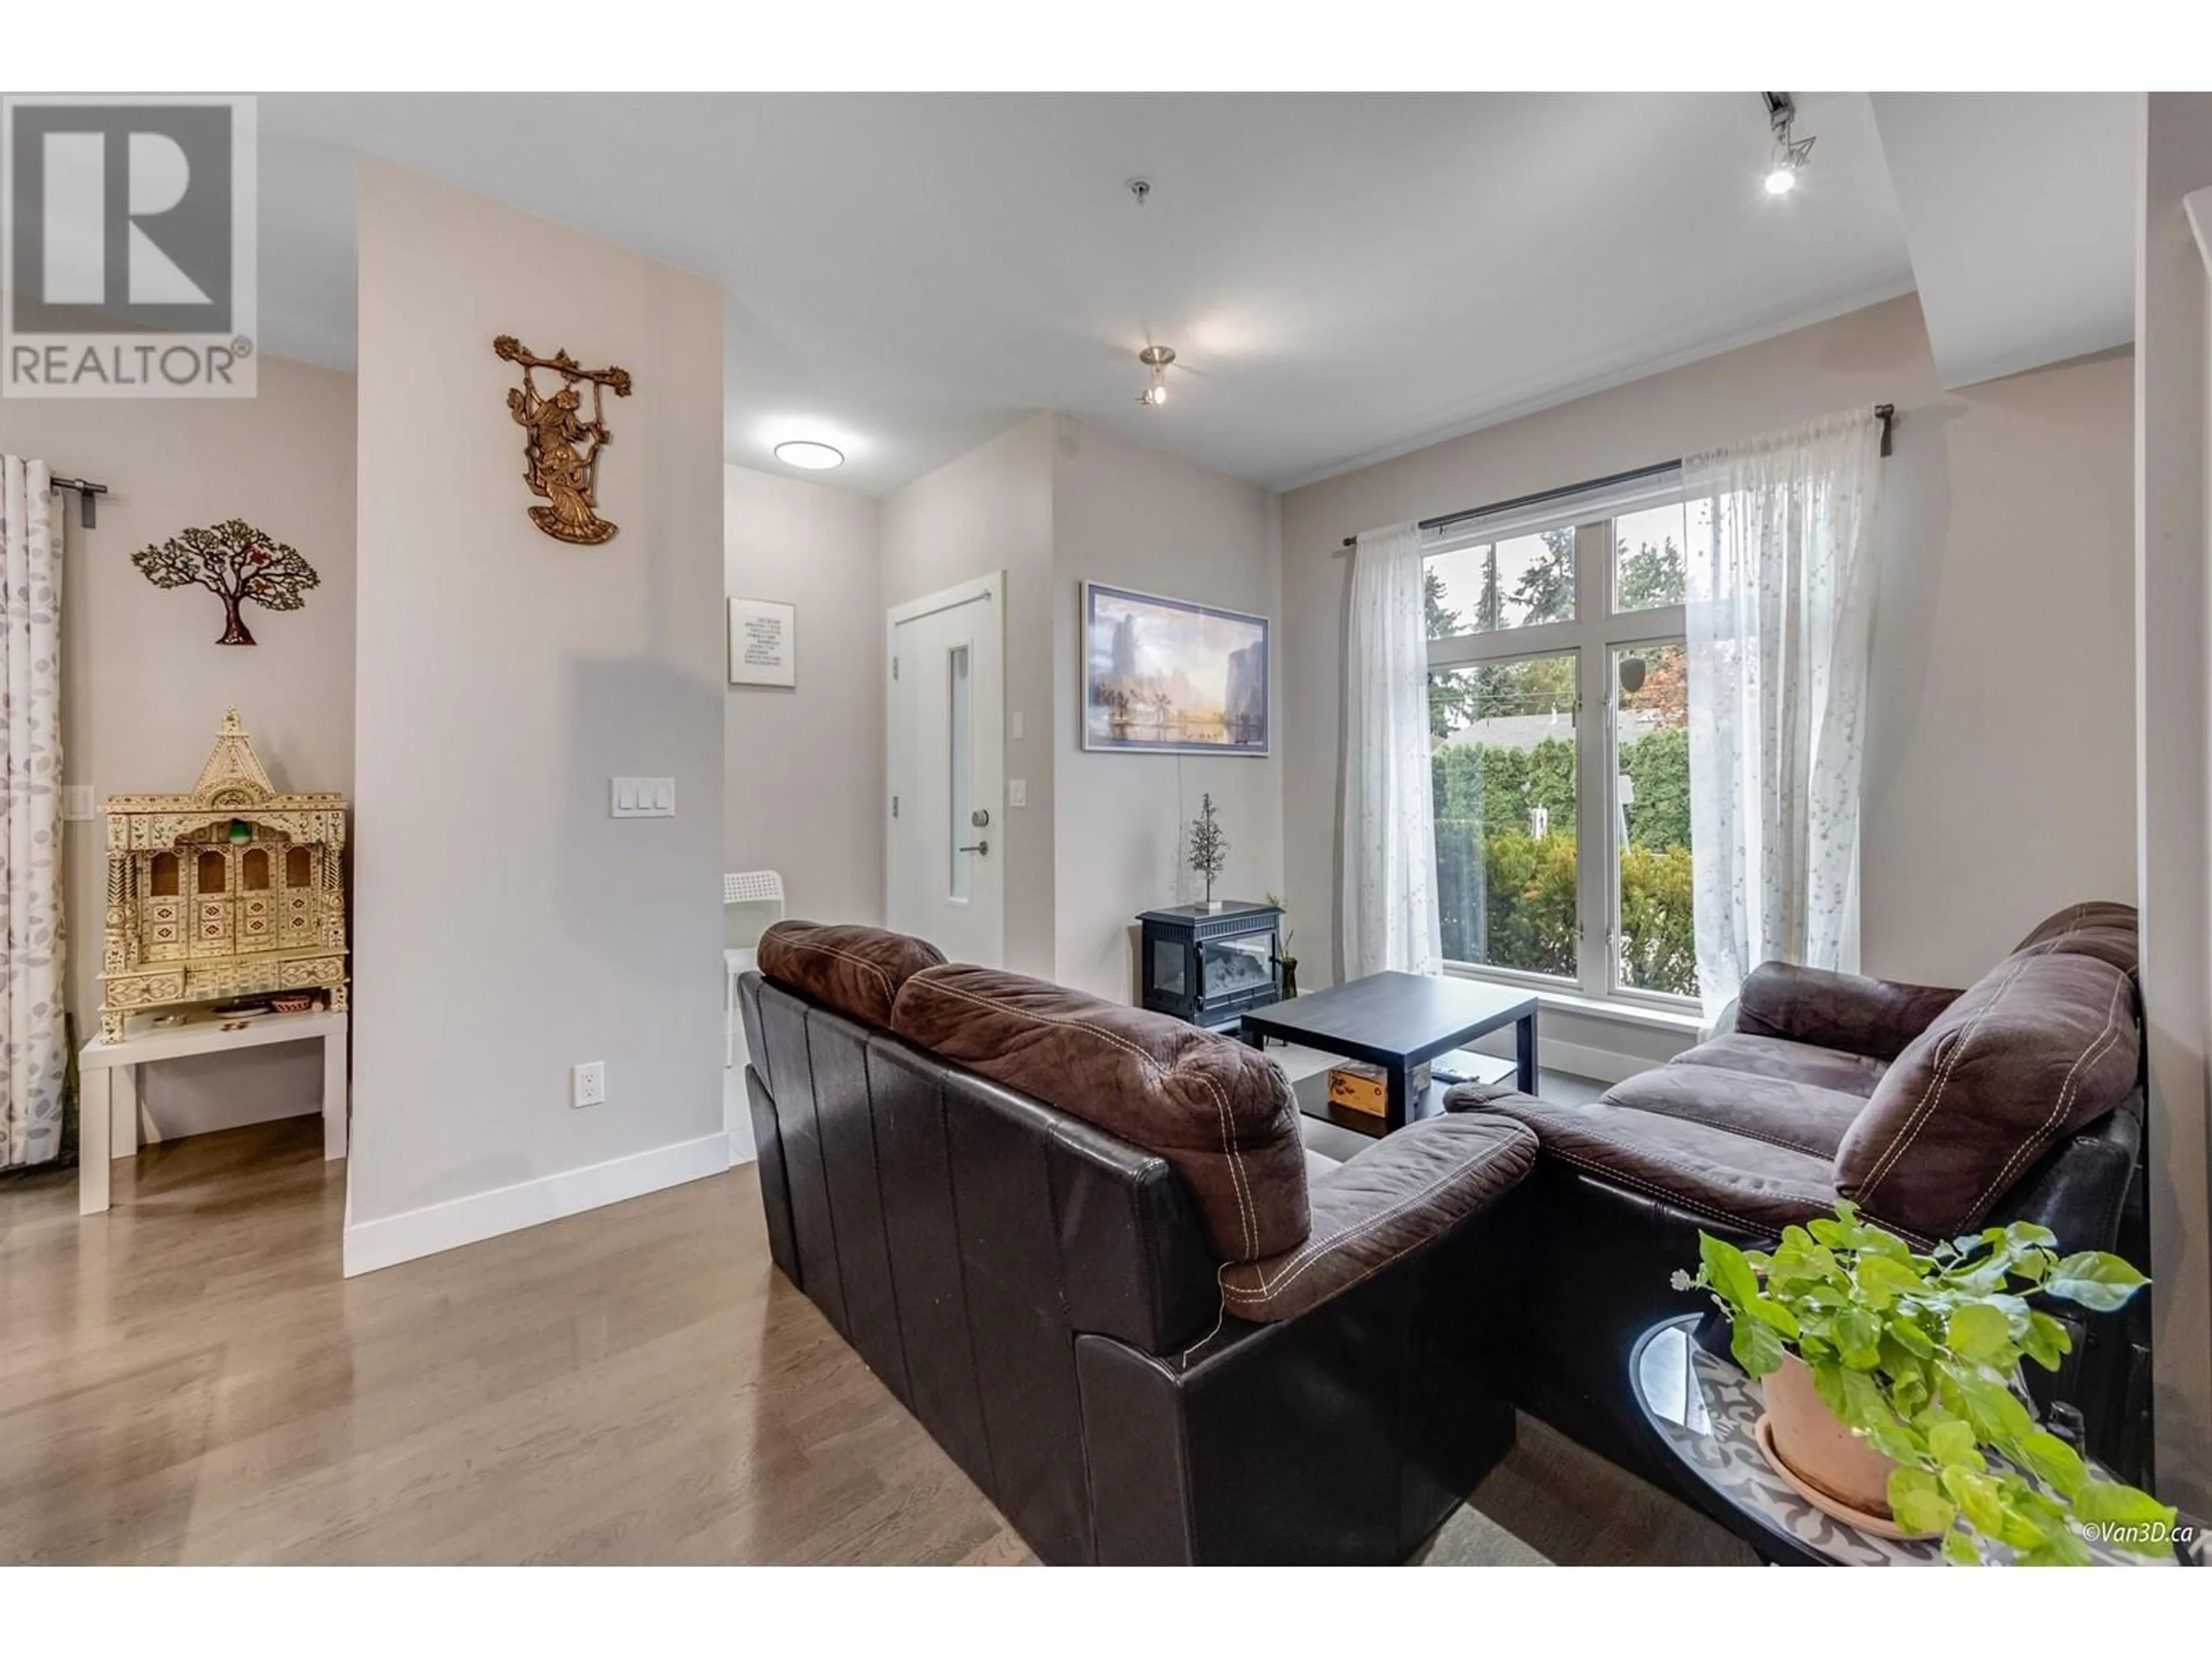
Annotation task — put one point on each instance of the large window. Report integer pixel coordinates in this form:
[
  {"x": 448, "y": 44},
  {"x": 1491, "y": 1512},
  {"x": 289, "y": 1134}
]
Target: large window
[{"x": 1533, "y": 630}]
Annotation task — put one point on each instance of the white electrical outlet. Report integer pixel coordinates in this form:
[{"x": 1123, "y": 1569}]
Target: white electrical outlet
[
  {"x": 76, "y": 803},
  {"x": 588, "y": 1083}
]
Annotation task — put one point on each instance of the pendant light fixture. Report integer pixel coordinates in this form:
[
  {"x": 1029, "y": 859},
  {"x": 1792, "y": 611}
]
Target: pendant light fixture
[
  {"x": 1157, "y": 359},
  {"x": 1790, "y": 154}
]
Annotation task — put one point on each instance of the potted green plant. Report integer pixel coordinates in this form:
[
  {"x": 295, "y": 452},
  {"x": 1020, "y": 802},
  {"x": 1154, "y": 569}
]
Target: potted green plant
[{"x": 1884, "y": 1362}]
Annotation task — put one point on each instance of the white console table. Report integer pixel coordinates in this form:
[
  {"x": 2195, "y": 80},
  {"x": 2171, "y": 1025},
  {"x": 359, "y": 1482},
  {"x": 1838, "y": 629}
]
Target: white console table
[{"x": 109, "y": 1113}]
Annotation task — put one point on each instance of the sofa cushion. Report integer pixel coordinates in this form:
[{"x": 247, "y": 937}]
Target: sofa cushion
[
  {"x": 856, "y": 970},
  {"x": 1221, "y": 1114},
  {"x": 1398, "y": 1194},
  {"x": 1792, "y": 1062},
  {"x": 1701, "y": 1168},
  {"x": 2098, "y": 929},
  {"x": 1796, "y": 1116},
  {"x": 2045, "y": 1043},
  {"x": 1847, "y": 1012}
]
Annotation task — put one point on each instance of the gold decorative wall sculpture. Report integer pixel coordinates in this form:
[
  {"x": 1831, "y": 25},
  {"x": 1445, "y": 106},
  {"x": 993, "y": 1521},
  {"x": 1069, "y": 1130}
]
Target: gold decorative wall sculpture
[
  {"x": 560, "y": 447},
  {"x": 231, "y": 891}
]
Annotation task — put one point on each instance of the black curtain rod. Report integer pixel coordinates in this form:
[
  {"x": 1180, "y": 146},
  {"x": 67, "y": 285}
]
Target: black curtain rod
[
  {"x": 1883, "y": 412},
  {"x": 87, "y": 499}
]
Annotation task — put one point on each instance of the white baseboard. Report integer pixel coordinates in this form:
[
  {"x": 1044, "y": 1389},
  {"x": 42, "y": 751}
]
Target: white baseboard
[
  {"x": 386, "y": 1243},
  {"x": 1599, "y": 1065},
  {"x": 1575, "y": 1058}
]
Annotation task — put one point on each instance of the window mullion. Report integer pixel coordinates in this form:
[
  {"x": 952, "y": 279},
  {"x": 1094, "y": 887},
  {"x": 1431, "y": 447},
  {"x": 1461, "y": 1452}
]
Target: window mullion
[{"x": 1595, "y": 853}]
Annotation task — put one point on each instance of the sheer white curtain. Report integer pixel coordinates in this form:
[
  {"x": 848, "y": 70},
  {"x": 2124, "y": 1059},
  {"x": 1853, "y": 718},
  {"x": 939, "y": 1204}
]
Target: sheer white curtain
[
  {"x": 1389, "y": 829},
  {"x": 32, "y": 1041},
  {"x": 1779, "y": 608}
]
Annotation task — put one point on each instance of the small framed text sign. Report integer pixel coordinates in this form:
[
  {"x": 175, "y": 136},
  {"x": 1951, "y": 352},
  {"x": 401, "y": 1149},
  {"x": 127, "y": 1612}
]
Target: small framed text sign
[{"x": 763, "y": 648}]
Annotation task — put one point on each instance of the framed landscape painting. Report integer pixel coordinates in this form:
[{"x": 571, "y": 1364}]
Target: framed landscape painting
[{"x": 1171, "y": 677}]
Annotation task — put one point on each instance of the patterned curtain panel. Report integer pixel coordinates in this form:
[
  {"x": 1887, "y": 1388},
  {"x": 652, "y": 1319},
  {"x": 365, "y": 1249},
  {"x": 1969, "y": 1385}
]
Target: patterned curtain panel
[
  {"x": 32, "y": 1039},
  {"x": 1389, "y": 918},
  {"x": 1781, "y": 599}
]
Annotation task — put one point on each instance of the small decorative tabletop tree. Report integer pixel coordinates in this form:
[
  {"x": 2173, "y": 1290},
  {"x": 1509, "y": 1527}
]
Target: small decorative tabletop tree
[
  {"x": 1209, "y": 848},
  {"x": 236, "y": 563}
]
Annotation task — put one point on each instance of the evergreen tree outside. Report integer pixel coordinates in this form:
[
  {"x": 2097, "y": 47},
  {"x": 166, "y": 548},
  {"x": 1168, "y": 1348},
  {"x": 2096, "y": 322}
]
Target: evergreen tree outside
[
  {"x": 1649, "y": 576},
  {"x": 1546, "y": 591}
]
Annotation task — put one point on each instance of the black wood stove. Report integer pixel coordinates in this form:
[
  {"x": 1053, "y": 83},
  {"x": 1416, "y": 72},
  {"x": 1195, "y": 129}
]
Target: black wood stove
[{"x": 1209, "y": 966}]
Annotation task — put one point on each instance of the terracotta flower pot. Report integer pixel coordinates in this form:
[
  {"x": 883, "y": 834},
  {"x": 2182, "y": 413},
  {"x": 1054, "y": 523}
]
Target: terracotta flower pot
[{"x": 1818, "y": 1449}]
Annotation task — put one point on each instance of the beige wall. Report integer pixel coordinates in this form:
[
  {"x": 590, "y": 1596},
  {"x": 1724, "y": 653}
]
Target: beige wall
[
  {"x": 1999, "y": 781},
  {"x": 805, "y": 780},
  {"x": 2173, "y": 570},
  {"x": 143, "y": 683},
  {"x": 1054, "y": 502},
  {"x": 507, "y": 925},
  {"x": 1136, "y": 518},
  {"x": 992, "y": 510}
]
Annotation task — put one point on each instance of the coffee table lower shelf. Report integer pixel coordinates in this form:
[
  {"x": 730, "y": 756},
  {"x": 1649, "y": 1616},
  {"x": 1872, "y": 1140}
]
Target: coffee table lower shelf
[{"x": 1312, "y": 1095}]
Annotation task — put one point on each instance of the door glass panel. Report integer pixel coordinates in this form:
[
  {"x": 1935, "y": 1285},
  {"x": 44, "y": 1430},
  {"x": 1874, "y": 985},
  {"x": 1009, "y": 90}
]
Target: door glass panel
[
  {"x": 1654, "y": 937},
  {"x": 1516, "y": 583},
  {"x": 1230, "y": 966},
  {"x": 1648, "y": 550},
  {"x": 1168, "y": 957},
  {"x": 1502, "y": 765},
  {"x": 958, "y": 752}
]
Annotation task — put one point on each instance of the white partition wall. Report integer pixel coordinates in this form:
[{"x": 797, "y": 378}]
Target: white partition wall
[
  {"x": 2174, "y": 461},
  {"x": 507, "y": 928}
]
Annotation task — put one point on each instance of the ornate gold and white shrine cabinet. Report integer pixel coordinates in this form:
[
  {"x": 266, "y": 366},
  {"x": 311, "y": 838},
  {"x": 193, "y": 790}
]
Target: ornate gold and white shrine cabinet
[{"x": 231, "y": 891}]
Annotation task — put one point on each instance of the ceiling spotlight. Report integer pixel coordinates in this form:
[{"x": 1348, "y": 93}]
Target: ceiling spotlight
[
  {"x": 1790, "y": 154},
  {"x": 1157, "y": 359},
  {"x": 815, "y": 458}
]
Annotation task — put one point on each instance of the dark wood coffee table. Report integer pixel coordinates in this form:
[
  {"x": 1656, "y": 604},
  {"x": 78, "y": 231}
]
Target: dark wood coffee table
[{"x": 1396, "y": 1021}]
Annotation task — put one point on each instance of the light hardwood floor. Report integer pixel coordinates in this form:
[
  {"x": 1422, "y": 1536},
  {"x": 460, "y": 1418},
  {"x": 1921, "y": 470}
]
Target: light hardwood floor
[{"x": 187, "y": 1379}]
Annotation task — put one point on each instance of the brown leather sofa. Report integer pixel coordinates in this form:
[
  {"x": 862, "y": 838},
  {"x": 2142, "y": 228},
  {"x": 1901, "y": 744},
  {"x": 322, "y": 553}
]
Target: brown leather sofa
[
  {"x": 1937, "y": 1111},
  {"x": 1079, "y": 1241}
]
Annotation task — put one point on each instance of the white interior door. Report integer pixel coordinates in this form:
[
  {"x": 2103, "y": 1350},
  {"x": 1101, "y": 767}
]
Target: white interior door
[{"x": 944, "y": 746}]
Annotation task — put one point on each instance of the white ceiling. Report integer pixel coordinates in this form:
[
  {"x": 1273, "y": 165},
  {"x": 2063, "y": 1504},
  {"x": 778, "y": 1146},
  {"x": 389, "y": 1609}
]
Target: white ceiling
[
  {"x": 2019, "y": 211},
  {"x": 1343, "y": 276}
]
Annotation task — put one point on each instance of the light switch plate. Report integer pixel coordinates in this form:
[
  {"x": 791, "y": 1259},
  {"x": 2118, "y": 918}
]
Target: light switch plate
[
  {"x": 1014, "y": 726},
  {"x": 642, "y": 798},
  {"x": 1017, "y": 792},
  {"x": 76, "y": 803}
]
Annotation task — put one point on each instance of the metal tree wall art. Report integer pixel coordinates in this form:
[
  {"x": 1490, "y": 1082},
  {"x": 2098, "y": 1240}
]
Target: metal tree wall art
[
  {"x": 561, "y": 448},
  {"x": 1209, "y": 848},
  {"x": 238, "y": 564}
]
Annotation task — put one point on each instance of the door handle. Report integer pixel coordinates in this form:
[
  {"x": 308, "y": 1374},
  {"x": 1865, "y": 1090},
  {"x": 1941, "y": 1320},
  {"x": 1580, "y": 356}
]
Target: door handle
[{"x": 983, "y": 847}]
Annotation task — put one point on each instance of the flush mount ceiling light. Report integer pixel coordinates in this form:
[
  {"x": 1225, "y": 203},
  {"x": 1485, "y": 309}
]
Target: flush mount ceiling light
[
  {"x": 1157, "y": 359},
  {"x": 1790, "y": 154},
  {"x": 804, "y": 451}
]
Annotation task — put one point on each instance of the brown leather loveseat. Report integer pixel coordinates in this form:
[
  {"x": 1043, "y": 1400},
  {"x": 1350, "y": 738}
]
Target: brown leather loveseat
[
  {"x": 1937, "y": 1112},
  {"x": 1078, "y": 1241}
]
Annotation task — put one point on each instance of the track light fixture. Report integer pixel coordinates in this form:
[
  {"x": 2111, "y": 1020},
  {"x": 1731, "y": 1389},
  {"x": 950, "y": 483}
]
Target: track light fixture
[
  {"x": 1790, "y": 154},
  {"x": 1157, "y": 359}
]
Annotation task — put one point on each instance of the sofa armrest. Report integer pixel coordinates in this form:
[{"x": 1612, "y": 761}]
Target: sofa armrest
[
  {"x": 1406, "y": 1190},
  {"x": 1871, "y": 1017}
]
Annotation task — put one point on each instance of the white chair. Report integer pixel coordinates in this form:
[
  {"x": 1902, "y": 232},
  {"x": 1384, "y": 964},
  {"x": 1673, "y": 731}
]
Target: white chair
[{"x": 749, "y": 887}]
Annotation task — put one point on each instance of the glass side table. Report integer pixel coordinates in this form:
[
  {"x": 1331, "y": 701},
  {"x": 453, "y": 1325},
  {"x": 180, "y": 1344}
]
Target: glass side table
[{"x": 1704, "y": 1410}]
